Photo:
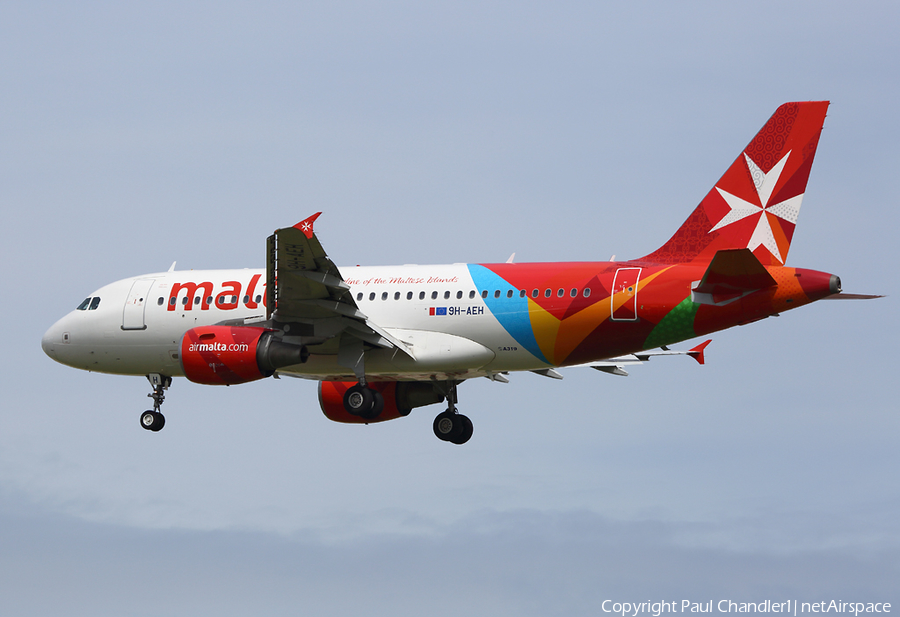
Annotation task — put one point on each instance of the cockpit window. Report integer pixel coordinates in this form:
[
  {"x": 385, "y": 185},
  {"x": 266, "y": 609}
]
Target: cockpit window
[{"x": 89, "y": 304}]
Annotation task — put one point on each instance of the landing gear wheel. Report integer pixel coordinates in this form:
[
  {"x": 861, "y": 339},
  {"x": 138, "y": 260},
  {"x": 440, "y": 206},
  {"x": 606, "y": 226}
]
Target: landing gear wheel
[
  {"x": 467, "y": 430},
  {"x": 377, "y": 405},
  {"x": 363, "y": 402},
  {"x": 448, "y": 426},
  {"x": 153, "y": 420}
]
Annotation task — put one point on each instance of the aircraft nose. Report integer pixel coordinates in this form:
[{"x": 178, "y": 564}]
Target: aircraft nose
[{"x": 52, "y": 337}]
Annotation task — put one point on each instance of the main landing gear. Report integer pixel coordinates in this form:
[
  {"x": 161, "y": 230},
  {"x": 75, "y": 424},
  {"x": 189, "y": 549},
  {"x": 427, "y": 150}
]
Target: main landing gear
[
  {"x": 451, "y": 425},
  {"x": 153, "y": 420},
  {"x": 362, "y": 401}
]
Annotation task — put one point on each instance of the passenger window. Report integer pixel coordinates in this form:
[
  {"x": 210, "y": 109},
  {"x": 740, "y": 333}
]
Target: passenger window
[
  {"x": 258, "y": 299},
  {"x": 434, "y": 295},
  {"x": 208, "y": 300},
  {"x": 184, "y": 301},
  {"x": 471, "y": 294},
  {"x": 196, "y": 299},
  {"x": 547, "y": 293},
  {"x": 359, "y": 296},
  {"x": 384, "y": 295},
  {"x": 160, "y": 301},
  {"x": 509, "y": 293},
  {"x": 95, "y": 302},
  {"x": 534, "y": 293},
  {"x": 396, "y": 295},
  {"x": 83, "y": 306},
  {"x": 172, "y": 301},
  {"x": 496, "y": 293},
  {"x": 446, "y": 295},
  {"x": 574, "y": 292},
  {"x": 409, "y": 295},
  {"x": 560, "y": 292},
  {"x": 421, "y": 295},
  {"x": 458, "y": 295},
  {"x": 484, "y": 294},
  {"x": 587, "y": 292},
  {"x": 521, "y": 293},
  {"x": 246, "y": 299}
]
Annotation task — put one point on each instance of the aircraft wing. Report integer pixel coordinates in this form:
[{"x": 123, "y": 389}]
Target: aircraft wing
[{"x": 306, "y": 296}]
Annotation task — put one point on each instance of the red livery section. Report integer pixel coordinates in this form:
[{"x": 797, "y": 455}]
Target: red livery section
[
  {"x": 399, "y": 398},
  {"x": 756, "y": 202},
  {"x": 228, "y": 355},
  {"x": 221, "y": 355}
]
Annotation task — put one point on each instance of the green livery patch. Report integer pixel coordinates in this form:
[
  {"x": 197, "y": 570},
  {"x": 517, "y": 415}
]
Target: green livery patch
[{"x": 678, "y": 325}]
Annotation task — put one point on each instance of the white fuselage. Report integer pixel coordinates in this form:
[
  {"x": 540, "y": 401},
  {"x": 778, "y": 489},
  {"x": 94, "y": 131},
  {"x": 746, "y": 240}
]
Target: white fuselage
[{"x": 136, "y": 326}]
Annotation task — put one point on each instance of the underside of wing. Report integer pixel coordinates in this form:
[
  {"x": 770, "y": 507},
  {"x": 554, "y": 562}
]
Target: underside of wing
[{"x": 309, "y": 301}]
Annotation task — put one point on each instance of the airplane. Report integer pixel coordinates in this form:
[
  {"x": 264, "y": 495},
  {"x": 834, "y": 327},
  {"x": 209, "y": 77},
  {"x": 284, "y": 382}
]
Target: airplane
[{"x": 382, "y": 341}]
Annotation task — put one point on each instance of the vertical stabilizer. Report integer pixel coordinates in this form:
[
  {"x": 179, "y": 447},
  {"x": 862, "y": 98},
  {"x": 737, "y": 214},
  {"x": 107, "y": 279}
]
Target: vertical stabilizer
[{"x": 755, "y": 204}]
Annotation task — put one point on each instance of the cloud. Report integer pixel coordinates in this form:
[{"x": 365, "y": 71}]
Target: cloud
[{"x": 521, "y": 562}]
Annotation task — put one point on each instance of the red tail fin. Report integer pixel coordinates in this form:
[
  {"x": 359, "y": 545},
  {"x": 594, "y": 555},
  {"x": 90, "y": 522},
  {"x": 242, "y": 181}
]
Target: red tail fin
[{"x": 756, "y": 202}]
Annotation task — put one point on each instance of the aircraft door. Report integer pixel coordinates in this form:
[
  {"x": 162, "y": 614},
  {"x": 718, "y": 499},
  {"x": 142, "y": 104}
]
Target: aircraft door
[
  {"x": 133, "y": 314},
  {"x": 624, "y": 295}
]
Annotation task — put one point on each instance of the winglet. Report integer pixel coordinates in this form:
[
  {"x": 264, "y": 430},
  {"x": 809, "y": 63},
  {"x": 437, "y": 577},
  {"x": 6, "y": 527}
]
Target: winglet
[
  {"x": 697, "y": 352},
  {"x": 306, "y": 225}
]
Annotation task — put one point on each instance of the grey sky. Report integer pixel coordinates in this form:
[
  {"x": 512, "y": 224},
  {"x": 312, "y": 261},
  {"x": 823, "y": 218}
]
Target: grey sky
[{"x": 132, "y": 136}]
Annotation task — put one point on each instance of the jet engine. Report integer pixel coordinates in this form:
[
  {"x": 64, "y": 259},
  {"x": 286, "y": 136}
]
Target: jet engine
[
  {"x": 226, "y": 355},
  {"x": 400, "y": 397}
]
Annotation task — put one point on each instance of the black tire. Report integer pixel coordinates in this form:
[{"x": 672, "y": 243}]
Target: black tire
[
  {"x": 448, "y": 426},
  {"x": 359, "y": 401},
  {"x": 377, "y": 405},
  {"x": 467, "y": 430},
  {"x": 159, "y": 424},
  {"x": 149, "y": 420}
]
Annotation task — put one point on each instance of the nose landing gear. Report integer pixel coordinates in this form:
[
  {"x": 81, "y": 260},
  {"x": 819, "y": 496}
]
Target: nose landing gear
[{"x": 153, "y": 420}]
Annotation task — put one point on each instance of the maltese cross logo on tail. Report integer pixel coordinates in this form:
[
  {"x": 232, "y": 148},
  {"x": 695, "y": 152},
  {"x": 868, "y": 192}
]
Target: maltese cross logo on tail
[
  {"x": 768, "y": 232},
  {"x": 306, "y": 225}
]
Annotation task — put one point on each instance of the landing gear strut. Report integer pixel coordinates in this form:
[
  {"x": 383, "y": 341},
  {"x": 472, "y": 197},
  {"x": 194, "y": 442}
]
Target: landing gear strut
[
  {"x": 451, "y": 425},
  {"x": 153, "y": 420}
]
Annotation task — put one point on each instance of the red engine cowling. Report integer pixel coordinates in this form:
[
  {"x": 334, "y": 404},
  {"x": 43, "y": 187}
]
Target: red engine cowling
[
  {"x": 226, "y": 355},
  {"x": 400, "y": 397}
]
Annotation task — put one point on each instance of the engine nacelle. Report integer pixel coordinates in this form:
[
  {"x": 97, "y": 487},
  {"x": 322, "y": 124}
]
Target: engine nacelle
[
  {"x": 226, "y": 355},
  {"x": 400, "y": 397}
]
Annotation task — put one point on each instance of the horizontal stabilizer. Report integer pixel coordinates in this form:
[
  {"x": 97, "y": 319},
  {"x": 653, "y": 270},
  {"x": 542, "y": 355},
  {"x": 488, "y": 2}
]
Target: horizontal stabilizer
[
  {"x": 732, "y": 274},
  {"x": 616, "y": 366},
  {"x": 697, "y": 352},
  {"x": 843, "y": 296}
]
